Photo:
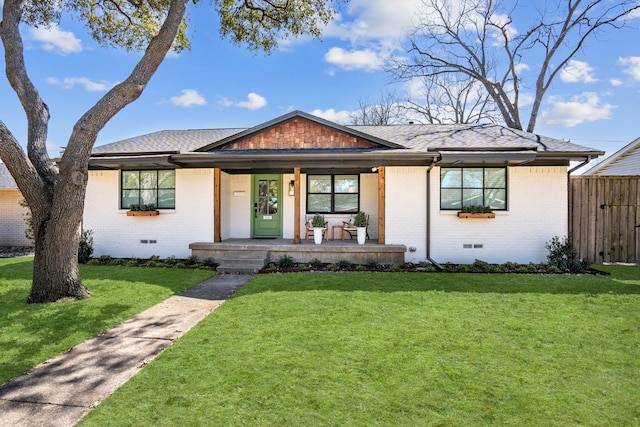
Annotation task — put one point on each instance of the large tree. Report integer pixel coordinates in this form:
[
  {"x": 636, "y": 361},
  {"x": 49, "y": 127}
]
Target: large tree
[
  {"x": 479, "y": 40},
  {"x": 55, "y": 193}
]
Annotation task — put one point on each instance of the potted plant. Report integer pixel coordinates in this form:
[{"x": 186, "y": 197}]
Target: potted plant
[
  {"x": 318, "y": 227},
  {"x": 360, "y": 222},
  {"x": 476, "y": 212}
]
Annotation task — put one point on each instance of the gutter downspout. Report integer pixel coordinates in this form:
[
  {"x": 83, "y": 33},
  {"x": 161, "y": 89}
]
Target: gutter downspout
[
  {"x": 587, "y": 160},
  {"x": 431, "y": 166}
]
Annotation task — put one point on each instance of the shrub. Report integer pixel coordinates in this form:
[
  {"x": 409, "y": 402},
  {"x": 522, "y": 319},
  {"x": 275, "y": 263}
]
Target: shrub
[
  {"x": 372, "y": 263},
  {"x": 394, "y": 268},
  {"x": 344, "y": 264},
  {"x": 532, "y": 268},
  {"x": 286, "y": 261},
  {"x": 208, "y": 262},
  {"x": 105, "y": 259},
  {"x": 563, "y": 255},
  {"x": 170, "y": 261},
  {"x": 480, "y": 266},
  {"x": 85, "y": 248},
  {"x": 316, "y": 264},
  {"x": 361, "y": 267},
  {"x": 192, "y": 260},
  {"x": 511, "y": 267},
  {"x": 118, "y": 261}
]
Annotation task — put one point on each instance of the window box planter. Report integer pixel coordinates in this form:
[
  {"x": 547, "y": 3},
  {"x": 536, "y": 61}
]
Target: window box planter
[
  {"x": 476, "y": 215},
  {"x": 143, "y": 213}
]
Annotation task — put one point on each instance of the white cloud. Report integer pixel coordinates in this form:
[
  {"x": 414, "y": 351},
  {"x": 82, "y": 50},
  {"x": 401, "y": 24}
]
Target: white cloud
[
  {"x": 374, "y": 19},
  {"x": 356, "y": 59},
  {"x": 582, "y": 108},
  {"x": 616, "y": 82},
  {"x": 253, "y": 102},
  {"x": 577, "y": 72},
  {"x": 54, "y": 39},
  {"x": 189, "y": 98},
  {"x": 89, "y": 86},
  {"x": 521, "y": 67},
  {"x": 631, "y": 66},
  {"x": 340, "y": 117}
]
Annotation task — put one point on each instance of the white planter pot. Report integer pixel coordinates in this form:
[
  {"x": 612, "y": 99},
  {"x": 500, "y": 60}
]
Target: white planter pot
[
  {"x": 317, "y": 235},
  {"x": 362, "y": 234}
]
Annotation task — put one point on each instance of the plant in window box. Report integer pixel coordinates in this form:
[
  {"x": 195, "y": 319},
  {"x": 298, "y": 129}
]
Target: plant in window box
[
  {"x": 145, "y": 209},
  {"x": 476, "y": 212},
  {"x": 318, "y": 224}
]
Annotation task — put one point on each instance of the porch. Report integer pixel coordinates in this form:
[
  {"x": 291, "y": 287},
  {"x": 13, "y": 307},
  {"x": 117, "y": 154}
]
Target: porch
[{"x": 251, "y": 255}]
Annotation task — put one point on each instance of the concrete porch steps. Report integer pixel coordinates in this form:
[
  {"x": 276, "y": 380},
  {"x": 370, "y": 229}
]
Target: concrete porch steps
[{"x": 247, "y": 261}]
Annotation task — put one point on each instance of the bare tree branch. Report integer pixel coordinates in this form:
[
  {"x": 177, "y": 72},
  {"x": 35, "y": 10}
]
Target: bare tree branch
[{"x": 475, "y": 39}]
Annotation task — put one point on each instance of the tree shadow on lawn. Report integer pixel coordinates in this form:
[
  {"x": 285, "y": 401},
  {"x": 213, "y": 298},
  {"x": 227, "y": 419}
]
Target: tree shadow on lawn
[
  {"x": 620, "y": 282},
  {"x": 31, "y": 328}
]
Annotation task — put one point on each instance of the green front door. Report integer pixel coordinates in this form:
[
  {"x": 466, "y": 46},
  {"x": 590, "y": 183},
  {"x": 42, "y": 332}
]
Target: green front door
[{"x": 267, "y": 206}]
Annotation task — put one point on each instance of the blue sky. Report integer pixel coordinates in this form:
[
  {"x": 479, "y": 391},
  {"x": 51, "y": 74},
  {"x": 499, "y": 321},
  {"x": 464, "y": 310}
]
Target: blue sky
[{"x": 595, "y": 102}]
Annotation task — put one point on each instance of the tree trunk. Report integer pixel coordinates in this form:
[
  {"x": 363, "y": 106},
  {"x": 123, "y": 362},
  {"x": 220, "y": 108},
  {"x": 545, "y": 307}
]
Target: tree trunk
[
  {"x": 55, "y": 268},
  {"x": 57, "y": 230}
]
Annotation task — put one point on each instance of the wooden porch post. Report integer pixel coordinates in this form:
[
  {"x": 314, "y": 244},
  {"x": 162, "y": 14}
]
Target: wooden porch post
[
  {"x": 216, "y": 205},
  {"x": 296, "y": 205},
  {"x": 381, "y": 205}
]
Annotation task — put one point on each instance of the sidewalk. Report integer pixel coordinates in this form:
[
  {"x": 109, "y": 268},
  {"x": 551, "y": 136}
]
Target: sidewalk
[{"x": 62, "y": 390}]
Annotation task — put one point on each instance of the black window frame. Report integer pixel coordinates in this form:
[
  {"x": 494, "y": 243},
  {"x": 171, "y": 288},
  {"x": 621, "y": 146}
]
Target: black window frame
[
  {"x": 157, "y": 187},
  {"x": 333, "y": 194},
  {"x": 484, "y": 186}
]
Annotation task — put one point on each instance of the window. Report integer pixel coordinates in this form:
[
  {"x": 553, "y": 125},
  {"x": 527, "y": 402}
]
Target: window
[
  {"x": 333, "y": 193},
  {"x": 460, "y": 187},
  {"x": 149, "y": 186}
]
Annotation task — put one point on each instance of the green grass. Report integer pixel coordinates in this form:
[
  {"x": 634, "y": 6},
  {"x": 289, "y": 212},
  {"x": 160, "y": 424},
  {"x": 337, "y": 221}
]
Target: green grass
[
  {"x": 400, "y": 349},
  {"x": 33, "y": 333}
]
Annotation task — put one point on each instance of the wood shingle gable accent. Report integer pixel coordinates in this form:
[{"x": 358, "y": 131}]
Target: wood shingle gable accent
[
  {"x": 299, "y": 131},
  {"x": 299, "y": 134}
]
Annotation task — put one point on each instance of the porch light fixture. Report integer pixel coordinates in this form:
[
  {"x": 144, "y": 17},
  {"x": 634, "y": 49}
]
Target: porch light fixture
[
  {"x": 291, "y": 187},
  {"x": 374, "y": 169}
]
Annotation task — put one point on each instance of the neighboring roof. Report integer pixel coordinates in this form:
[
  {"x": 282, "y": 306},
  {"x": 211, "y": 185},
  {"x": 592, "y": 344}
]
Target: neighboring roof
[
  {"x": 6, "y": 180},
  {"x": 625, "y": 161},
  {"x": 411, "y": 144}
]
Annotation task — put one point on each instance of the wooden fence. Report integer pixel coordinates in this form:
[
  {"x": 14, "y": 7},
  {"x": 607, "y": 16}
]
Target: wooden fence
[{"x": 604, "y": 217}]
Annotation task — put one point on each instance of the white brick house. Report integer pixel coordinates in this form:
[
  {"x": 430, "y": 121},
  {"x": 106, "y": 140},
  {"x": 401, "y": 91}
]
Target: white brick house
[
  {"x": 221, "y": 185},
  {"x": 12, "y": 214}
]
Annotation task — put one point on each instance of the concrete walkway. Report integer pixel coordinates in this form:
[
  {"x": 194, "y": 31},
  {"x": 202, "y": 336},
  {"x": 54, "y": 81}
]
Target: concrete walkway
[{"x": 62, "y": 390}]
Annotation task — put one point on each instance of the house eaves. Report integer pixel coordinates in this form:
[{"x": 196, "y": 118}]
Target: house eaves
[{"x": 244, "y": 162}]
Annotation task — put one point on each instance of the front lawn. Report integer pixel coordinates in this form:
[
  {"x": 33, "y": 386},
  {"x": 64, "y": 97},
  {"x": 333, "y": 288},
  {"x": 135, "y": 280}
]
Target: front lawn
[
  {"x": 33, "y": 333},
  {"x": 400, "y": 349}
]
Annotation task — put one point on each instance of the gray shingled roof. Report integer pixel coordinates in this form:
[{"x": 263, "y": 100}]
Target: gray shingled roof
[
  {"x": 417, "y": 137},
  {"x": 467, "y": 136},
  {"x": 183, "y": 141},
  {"x": 6, "y": 180}
]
